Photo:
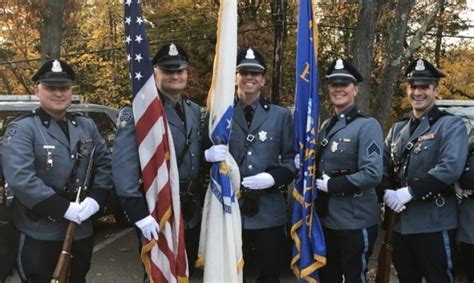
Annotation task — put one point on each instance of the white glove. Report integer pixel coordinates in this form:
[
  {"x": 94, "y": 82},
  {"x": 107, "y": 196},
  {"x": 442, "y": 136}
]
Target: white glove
[
  {"x": 391, "y": 200},
  {"x": 72, "y": 212},
  {"x": 403, "y": 195},
  {"x": 322, "y": 184},
  {"x": 89, "y": 207},
  {"x": 297, "y": 161},
  {"x": 460, "y": 193},
  {"x": 216, "y": 153},
  {"x": 149, "y": 227},
  {"x": 258, "y": 182}
]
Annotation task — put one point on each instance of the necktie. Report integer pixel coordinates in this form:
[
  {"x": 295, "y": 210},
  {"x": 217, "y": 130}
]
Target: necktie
[
  {"x": 180, "y": 112},
  {"x": 413, "y": 125},
  {"x": 63, "y": 125},
  {"x": 248, "y": 111}
]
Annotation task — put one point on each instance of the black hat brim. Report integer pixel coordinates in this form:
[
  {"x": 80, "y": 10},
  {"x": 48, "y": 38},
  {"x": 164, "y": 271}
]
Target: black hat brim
[
  {"x": 173, "y": 65},
  {"x": 421, "y": 81},
  {"x": 251, "y": 68},
  {"x": 341, "y": 79},
  {"x": 56, "y": 82}
]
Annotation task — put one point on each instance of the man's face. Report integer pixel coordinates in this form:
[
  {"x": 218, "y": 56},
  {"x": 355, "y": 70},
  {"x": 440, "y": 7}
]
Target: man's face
[
  {"x": 54, "y": 99},
  {"x": 249, "y": 83},
  {"x": 342, "y": 95},
  {"x": 421, "y": 97},
  {"x": 171, "y": 82}
]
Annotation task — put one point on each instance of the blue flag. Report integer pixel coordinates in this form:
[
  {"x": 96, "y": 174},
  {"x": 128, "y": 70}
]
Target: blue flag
[{"x": 309, "y": 249}]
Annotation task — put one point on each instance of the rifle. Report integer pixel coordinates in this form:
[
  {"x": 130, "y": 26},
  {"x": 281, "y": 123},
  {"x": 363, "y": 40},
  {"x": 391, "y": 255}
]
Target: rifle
[
  {"x": 61, "y": 272},
  {"x": 384, "y": 259}
]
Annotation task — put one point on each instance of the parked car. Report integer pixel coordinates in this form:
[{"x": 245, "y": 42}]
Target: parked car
[
  {"x": 461, "y": 108},
  {"x": 12, "y": 106}
]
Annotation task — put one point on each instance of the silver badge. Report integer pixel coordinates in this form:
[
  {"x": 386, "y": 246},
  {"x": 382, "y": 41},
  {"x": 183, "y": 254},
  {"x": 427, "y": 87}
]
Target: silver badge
[
  {"x": 56, "y": 67},
  {"x": 249, "y": 54},
  {"x": 339, "y": 64},
  {"x": 262, "y": 136},
  {"x": 334, "y": 146},
  {"x": 173, "y": 50},
  {"x": 420, "y": 65}
]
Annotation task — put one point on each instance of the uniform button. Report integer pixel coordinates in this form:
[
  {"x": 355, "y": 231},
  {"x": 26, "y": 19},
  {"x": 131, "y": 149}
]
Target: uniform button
[
  {"x": 249, "y": 153},
  {"x": 72, "y": 156},
  {"x": 192, "y": 168},
  {"x": 192, "y": 154},
  {"x": 250, "y": 166}
]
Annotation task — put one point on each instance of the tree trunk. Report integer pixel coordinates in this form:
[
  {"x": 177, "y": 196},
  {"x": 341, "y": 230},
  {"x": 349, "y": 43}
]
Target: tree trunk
[
  {"x": 362, "y": 48},
  {"x": 51, "y": 28},
  {"x": 279, "y": 18},
  {"x": 397, "y": 55}
]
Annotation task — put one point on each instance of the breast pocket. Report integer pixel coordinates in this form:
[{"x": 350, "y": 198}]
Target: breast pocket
[
  {"x": 424, "y": 156},
  {"x": 267, "y": 146}
]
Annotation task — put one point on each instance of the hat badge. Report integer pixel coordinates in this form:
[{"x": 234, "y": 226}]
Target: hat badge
[
  {"x": 420, "y": 65},
  {"x": 56, "y": 67},
  {"x": 249, "y": 54},
  {"x": 173, "y": 50},
  {"x": 339, "y": 64}
]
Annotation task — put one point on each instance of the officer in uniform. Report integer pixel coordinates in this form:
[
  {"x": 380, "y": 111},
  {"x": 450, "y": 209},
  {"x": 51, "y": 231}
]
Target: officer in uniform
[
  {"x": 465, "y": 193},
  {"x": 261, "y": 143},
  {"x": 46, "y": 154},
  {"x": 8, "y": 234},
  {"x": 423, "y": 156},
  {"x": 185, "y": 119},
  {"x": 349, "y": 166}
]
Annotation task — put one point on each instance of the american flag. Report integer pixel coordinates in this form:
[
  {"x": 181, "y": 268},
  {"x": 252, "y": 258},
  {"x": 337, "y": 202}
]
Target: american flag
[
  {"x": 165, "y": 259},
  {"x": 309, "y": 249},
  {"x": 220, "y": 246}
]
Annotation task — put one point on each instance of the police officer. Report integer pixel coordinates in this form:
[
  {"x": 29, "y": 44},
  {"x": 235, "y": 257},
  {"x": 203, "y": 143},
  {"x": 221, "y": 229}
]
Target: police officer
[
  {"x": 424, "y": 155},
  {"x": 349, "y": 164},
  {"x": 45, "y": 158},
  {"x": 261, "y": 143},
  {"x": 465, "y": 192},
  {"x": 8, "y": 234},
  {"x": 185, "y": 119}
]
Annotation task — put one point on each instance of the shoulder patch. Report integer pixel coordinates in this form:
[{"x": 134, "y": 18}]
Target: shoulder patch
[
  {"x": 124, "y": 118},
  {"x": 11, "y": 132},
  {"x": 373, "y": 148}
]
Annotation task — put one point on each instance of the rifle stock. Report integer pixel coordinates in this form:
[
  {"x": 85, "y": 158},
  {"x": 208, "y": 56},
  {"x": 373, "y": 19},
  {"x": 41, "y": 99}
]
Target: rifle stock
[
  {"x": 61, "y": 272},
  {"x": 384, "y": 259}
]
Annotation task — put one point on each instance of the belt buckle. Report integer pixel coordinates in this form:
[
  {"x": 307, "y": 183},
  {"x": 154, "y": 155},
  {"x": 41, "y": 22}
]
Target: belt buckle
[
  {"x": 250, "y": 138},
  {"x": 409, "y": 146}
]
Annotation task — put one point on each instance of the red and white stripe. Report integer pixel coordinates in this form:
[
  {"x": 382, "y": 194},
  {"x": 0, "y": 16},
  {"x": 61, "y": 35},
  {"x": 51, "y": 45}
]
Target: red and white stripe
[{"x": 165, "y": 260}]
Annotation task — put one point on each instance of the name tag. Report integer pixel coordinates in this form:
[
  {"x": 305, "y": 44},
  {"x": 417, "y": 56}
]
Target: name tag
[{"x": 430, "y": 136}]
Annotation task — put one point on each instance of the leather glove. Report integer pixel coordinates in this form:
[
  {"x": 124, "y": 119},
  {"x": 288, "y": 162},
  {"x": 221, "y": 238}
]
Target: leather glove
[
  {"x": 322, "y": 184},
  {"x": 149, "y": 227},
  {"x": 258, "y": 182},
  {"x": 89, "y": 207},
  {"x": 216, "y": 153},
  {"x": 460, "y": 192},
  {"x": 391, "y": 200},
  {"x": 297, "y": 161},
  {"x": 72, "y": 212}
]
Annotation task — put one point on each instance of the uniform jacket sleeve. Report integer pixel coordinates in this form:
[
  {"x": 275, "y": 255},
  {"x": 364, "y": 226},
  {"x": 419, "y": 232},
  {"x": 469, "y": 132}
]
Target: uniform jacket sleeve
[
  {"x": 126, "y": 168},
  {"x": 102, "y": 174},
  {"x": 370, "y": 163},
  {"x": 284, "y": 174},
  {"x": 451, "y": 159}
]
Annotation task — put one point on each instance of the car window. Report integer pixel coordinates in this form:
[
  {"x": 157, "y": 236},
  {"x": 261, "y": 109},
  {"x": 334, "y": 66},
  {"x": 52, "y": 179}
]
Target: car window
[{"x": 105, "y": 125}]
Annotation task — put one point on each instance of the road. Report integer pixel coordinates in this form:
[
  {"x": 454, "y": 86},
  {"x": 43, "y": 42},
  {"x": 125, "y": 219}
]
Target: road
[{"x": 116, "y": 259}]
